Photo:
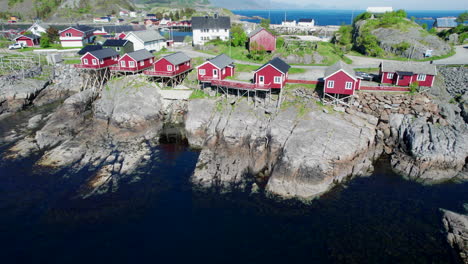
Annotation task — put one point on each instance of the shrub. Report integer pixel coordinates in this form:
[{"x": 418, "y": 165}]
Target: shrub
[{"x": 414, "y": 87}]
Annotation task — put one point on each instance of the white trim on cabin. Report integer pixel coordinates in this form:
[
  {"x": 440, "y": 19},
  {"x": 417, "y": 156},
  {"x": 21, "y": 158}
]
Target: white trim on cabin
[
  {"x": 277, "y": 81},
  {"x": 271, "y": 66},
  {"x": 330, "y": 84},
  {"x": 390, "y": 75},
  {"x": 348, "y": 85},
  {"x": 209, "y": 63},
  {"x": 342, "y": 71},
  {"x": 202, "y": 72}
]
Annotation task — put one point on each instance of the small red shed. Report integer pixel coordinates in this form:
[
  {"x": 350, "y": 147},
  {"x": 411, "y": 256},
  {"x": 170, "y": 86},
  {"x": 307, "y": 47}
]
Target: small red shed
[
  {"x": 98, "y": 59},
  {"x": 134, "y": 61},
  {"x": 262, "y": 39},
  {"x": 173, "y": 64},
  {"x": 340, "y": 78},
  {"x": 29, "y": 40},
  {"x": 76, "y": 36},
  {"x": 218, "y": 68},
  {"x": 272, "y": 74},
  {"x": 405, "y": 73}
]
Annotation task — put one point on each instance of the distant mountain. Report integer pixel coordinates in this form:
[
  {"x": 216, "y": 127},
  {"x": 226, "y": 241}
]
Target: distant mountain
[{"x": 261, "y": 4}]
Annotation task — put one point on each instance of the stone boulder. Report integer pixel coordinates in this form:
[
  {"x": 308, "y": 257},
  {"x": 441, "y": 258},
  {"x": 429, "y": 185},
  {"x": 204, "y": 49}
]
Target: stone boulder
[{"x": 456, "y": 226}]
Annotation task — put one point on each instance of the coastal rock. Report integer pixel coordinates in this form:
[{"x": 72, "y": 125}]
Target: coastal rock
[
  {"x": 456, "y": 226},
  {"x": 305, "y": 155},
  {"x": 428, "y": 152}
]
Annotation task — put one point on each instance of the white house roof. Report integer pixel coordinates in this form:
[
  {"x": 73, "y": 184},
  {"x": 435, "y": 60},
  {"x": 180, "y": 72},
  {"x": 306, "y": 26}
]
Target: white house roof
[{"x": 416, "y": 68}]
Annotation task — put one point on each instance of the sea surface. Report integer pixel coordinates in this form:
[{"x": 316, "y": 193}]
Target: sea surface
[
  {"x": 335, "y": 17},
  {"x": 162, "y": 218}
]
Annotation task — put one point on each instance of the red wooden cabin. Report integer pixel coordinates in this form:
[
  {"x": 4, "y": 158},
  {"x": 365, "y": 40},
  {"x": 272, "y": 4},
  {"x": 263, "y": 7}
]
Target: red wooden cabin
[
  {"x": 340, "y": 78},
  {"x": 272, "y": 74},
  {"x": 98, "y": 59},
  {"x": 76, "y": 36},
  {"x": 262, "y": 39},
  {"x": 28, "y": 40},
  {"x": 171, "y": 65},
  {"x": 218, "y": 68},
  {"x": 134, "y": 61},
  {"x": 405, "y": 73}
]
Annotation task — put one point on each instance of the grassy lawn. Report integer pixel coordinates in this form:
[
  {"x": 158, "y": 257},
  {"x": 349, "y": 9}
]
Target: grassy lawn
[
  {"x": 368, "y": 70},
  {"x": 73, "y": 61},
  {"x": 53, "y": 46},
  {"x": 199, "y": 94},
  {"x": 450, "y": 54}
]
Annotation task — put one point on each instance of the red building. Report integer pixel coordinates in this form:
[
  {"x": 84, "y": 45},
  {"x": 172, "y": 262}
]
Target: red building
[
  {"x": 171, "y": 65},
  {"x": 262, "y": 39},
  {"x": 134, "y": 61},
  {"x": 77, "y": 36},
  {"x": 273, "y": 74},
  {"x": 340, "y": 78},
  {"x": 29, "y": 40},
  {"x": 405, "y": 73},
  {"x": 218, "y": 68},
  {"x": 98, "y": 59}
]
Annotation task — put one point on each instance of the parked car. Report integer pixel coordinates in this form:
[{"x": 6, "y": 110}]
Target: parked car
[
  {"x": 365, "y": 76},
  {"x": 15, "y": 46}
]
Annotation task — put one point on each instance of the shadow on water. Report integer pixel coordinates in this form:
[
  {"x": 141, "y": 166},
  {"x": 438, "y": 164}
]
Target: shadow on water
[{"x": 161, "y": 218}]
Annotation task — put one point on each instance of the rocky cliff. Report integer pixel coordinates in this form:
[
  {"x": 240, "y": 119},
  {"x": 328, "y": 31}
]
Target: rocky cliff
[{"x": 456, "y": 226}]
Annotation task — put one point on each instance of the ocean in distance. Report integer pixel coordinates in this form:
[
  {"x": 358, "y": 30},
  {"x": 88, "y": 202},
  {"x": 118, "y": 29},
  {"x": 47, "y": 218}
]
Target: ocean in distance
[{"x": 335, "y": 17}]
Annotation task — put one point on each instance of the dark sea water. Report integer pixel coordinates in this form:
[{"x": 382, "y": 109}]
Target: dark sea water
[
  {"x": 162, "y": 219},
  {"x": 336, "y": 17}
]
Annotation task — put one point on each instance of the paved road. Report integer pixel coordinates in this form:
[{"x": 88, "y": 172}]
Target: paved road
[{"x": 460, "y": 57}]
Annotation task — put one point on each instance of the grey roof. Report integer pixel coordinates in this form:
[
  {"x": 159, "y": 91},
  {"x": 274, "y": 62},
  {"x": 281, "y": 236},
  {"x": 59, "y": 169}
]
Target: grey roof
[
  {"x": 123, "y": 28},
  {"x": 221, "y": 61},
  {"x": 340, "y": 65},
  {"x": 104, "y": 53},
  {"x": 148, "y": 35},
  {"x": 417, "y": 68},
  {"x": 445, "y": 22},
  {"x": 84, "y": 28},
  {"x": 308, "y": 20},
  {"x": 88, "y": 48},
  {"x": 115, "y": 43},
  {"x": 256, "y": 31},
  {"x": 221, "y": 22},
  {"x": 177, "y": 58},
  {"x": 278, "y": 64},
  {"x": 140, "y": 55}
]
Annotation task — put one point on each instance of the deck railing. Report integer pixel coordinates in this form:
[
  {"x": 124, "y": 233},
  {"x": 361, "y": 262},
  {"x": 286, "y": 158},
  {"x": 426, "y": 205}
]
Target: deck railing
[
  {"x": 129, "y": 69},
  {"x": 164, "y": 73}
]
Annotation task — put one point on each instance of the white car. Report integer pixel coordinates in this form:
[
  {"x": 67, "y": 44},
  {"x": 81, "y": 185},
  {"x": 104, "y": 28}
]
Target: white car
[{"x": 16, "y": 46}]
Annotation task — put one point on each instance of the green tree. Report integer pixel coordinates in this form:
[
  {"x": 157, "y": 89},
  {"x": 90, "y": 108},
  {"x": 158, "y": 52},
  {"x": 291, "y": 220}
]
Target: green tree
[
  {"x": 177, "y": 15},
  {"x": 45, "y": 40},
  {"x": 238, "y": 35},
  {"x": 462, "y": 17},
  {"x": 265, "y": 23},
  {"x": 279, "y": 42},
  {"x": 363, "y": 16},
  {"x": 343, "y": 37},
  {"x": 52, "y": 34}
]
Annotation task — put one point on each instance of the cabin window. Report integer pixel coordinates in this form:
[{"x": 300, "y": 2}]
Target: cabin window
[
  {"x": 277, "y": 79},
  {"x": 223, "y": 71},
  {"x": 68, "y": 34},
  {"x": 421, "y": 77},
  {"x": 349, "y": 85},
  {"x": 261, "y": 79},
  {"x": 122, "y": 63},
  {"x": 94, "y": 62},
  {"x": 390, "y": 75},
  {"x": 117, "y": 48},
  {"x": 131, "y": 64},
  {"x": 215, "y": 73},
  {"x": 177, "y": 67},
  {"x": 202, "y": 71},
  {"x": 101, "y": 61},
  {"x": 151, "y": 60},
  {"x": 141, "y": 63},
  {"x": 85, "y": 61},
  {"x": 169, "y": 67},
  {"x": 330, "y": 84}
]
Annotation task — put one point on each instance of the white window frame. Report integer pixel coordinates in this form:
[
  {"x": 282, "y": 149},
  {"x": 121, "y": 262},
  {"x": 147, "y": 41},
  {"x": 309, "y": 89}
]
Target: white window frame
[
  {"x": 85, "y": 61},
  {"x": 421, "y": 77},
  {"x": 122, "y": 63},
  {"x": 261, "y": 79},
  {"x": 177, "y": 67},
  {"x": 349, "y": 85},
  {"x": 142, "y": 63},
  {"x": 215, "y": 71},
  {"x": 94, "y": 62},
  {"x": 202, "y": 72},
  {"x": 117, "y": 48},
  {"x": 330, "y": 84},
  {"x": 68, "y": 35},
  {"x": 131, "y": 64},
  {"x": 277, "y": 80},
  {"x": 169, "y": 67},
  {"x": 101, "y": 61},
  {"x": 151, "y": 60},
  {"x": 390, "y": 75}
]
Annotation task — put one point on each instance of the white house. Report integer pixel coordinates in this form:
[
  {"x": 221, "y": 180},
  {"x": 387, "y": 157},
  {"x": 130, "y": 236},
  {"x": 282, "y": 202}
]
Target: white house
[
  {"x": 123, "y": 13},
  {"x": 207, "y": 28},
  {"x": 165, "y": 20},
  {"x": 101, "y": 20},
  {"x": 379, "y": 9},
  {"x": 133, "y": 14},
  {"x": 150, "y": 40},
  {"x": 38, "y": 28},
  {"x": 288, "y": 23},
  {"x": 306, "y": 22}
]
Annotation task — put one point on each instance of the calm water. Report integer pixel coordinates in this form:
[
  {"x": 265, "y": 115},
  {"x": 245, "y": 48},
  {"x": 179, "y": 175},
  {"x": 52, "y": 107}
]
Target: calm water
[
  {"x": 162, "y": 219},
  {"x": 335, "y": 17}
]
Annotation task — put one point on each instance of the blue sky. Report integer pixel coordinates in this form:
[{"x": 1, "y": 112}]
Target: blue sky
[{"x": 396, "y": 4}]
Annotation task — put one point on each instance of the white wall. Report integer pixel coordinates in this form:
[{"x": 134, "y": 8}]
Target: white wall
[
  {"x": 138, "y": 45},
  {"x": 200, "y": 38},
  {"x": 74, "y": 43}
]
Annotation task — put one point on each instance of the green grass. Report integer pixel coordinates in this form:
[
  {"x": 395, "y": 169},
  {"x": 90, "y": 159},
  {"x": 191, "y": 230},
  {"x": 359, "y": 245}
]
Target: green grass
[
  {"x": 74, "y": 61},
  {"x": 53, "y": 46},
  {"x": 450, "y": 54},
  {"x": 292, "y": 86},
  {"x": 198, "y": 94},
  {"x": 368, "y": 70}
]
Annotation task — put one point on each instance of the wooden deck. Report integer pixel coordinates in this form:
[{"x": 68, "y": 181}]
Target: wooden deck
[
  {"x": 128, "y": 69},
  {"x": 170, "y": 74},
  {"x": 241, "y": 85},
  {"x": 90, "y": 67}
]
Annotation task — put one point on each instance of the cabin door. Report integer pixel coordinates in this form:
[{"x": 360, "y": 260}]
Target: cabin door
[
  {"x": 261, "y": 80},
  {"x": 215, "y": 73}
]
